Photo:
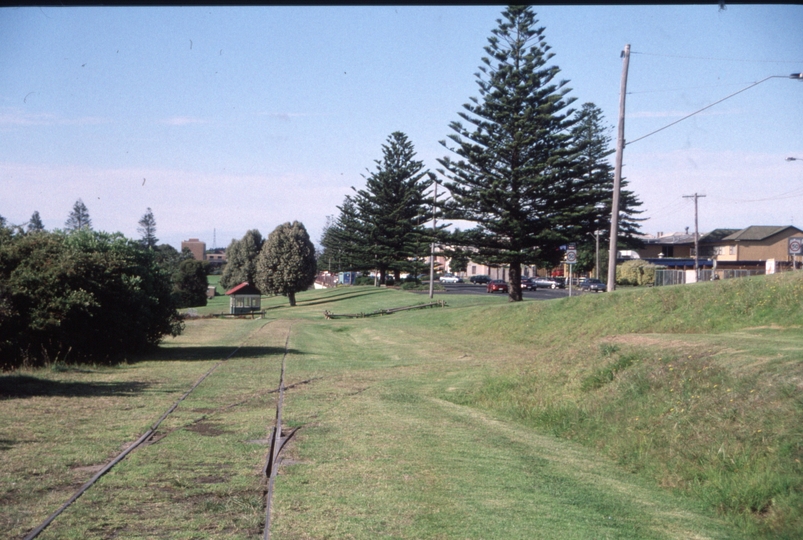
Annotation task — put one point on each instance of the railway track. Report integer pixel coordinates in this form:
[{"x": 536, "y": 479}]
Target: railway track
[{"x": 278, "y": 439}]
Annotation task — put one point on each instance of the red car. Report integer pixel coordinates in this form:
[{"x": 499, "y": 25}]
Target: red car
[{"x": 497, "y": 285}]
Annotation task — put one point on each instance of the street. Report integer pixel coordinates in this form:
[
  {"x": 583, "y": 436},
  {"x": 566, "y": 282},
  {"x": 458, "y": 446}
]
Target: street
[{"x": 540, "y": 294}]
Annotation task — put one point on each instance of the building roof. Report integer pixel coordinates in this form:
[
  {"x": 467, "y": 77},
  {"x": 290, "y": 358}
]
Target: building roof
[
  {"x": 758, "y": 233},
  {"x": 674, "y": 238},
  {"x": 716, "y": 235},
  {"x": 244, "y": 288}
]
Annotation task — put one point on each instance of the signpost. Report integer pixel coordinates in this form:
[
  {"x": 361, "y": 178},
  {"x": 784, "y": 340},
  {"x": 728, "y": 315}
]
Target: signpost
[
  {"x": 795, "y": 248},
  {"x": 571, "y": 259}
]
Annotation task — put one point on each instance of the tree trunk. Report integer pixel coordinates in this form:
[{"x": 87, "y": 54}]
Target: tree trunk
[
  {"x": 292, "y": 297},
  {"x": 514, "y": 287},
  {"x": 396, "y": 276},
  {"x": 382, "y": 274}
]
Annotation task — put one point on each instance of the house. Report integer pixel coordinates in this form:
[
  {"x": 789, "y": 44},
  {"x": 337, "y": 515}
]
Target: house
[
  {"x": 758, "y": 243},
  {"x": 244, "y": 298},
  {"x": 216, "y": 257}
]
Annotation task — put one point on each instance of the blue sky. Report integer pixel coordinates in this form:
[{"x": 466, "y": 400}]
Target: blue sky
[{"x": 228, "y": 119}]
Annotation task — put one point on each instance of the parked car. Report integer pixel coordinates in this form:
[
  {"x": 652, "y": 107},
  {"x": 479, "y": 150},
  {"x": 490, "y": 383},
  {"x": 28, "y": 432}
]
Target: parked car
[
  {"x": 594, "y": 285},
  {"x": 496, "y": 285},
  {"x": 479, "y": 279},
  {"x": 528, "y": 284},
  {"x": 450, "y": 278},
  {"x": 548, "y": 283}
]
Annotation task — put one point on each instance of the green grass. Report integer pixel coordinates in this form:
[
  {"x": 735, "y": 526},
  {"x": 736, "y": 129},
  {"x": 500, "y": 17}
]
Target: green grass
[{"x": 662, "y": 413}]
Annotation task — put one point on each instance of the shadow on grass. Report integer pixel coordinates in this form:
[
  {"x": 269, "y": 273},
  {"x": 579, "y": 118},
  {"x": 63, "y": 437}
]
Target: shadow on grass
[
  {"x": 346, "y": 296},
  {"x": 211, "y": 353},
  {"x": 24, "y": 386}
]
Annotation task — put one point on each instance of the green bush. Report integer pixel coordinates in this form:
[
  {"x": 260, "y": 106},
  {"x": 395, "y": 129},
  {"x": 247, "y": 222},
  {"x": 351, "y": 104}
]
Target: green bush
[
  {"x": 82, "y": 296},
  {"x": 636, "y": 273}
]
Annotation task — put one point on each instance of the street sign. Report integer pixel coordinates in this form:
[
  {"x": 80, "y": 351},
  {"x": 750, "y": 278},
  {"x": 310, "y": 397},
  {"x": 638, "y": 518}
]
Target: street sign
[
  {"x": 571, "y": 253},
  {"x": 796, "y": 246}
]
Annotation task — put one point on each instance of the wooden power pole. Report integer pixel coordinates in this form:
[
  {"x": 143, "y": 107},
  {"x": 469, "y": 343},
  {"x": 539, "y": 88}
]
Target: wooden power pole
[
  {"x": 696, "y": 236},
  {"x": 617, "y": 175}
]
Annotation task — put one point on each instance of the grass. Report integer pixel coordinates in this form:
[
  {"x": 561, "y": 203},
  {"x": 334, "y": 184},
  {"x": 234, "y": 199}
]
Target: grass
[{"x": 663, "y": 413}]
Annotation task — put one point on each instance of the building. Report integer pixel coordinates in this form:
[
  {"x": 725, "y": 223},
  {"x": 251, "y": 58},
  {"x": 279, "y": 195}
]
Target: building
[
  {"x": 244, "y": 298},
  {"x": 216, "y": 257},
  {"x": 755, "y": 243},
  {"x": 196, "y": 247}
]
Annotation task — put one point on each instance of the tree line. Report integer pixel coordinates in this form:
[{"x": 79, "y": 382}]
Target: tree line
[
  {"x": 528, "y": 172},
  {"x": 79, "y": 295}
]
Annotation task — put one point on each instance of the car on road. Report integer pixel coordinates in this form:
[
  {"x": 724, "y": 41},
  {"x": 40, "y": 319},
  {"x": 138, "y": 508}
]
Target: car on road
[
  {"x": 594, "y": 285},
  {"x": 528, "y": 284},
  {"x": 548, "y": 283},
  {"x": 450, "y": 278},
  {"x": 480, "y": 279},
  {"x": 496, "y": 285}
]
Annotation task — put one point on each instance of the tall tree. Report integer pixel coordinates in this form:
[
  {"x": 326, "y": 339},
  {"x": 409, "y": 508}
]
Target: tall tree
[
  {"x": 147, "y": 228},
  {"x": 35, "y": 224},
  {"x": 592, "y": 188},
  {"x": 344, "y": 246},
  {"x": 389, "y": 209},
  {"x": 515, "y": 154},
  {"x": 79, "y": 217},
  {"x": 241, "y": 258},
  {"x": 286, "y": 264}
]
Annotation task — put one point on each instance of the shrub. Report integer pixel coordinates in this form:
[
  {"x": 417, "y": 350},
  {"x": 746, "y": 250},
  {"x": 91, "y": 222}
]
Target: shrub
[{"x": 636, "y": 273}]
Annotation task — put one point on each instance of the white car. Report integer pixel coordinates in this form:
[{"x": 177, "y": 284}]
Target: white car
[{"x": 450, "y": 278}]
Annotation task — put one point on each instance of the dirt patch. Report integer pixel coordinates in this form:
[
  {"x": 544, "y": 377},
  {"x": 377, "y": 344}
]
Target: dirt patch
[
  {"x": 208, "y": 429},
  {"x": 212, "y": 479}
]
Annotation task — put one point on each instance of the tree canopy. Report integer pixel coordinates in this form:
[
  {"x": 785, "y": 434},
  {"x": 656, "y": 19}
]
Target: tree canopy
[
  {"x": 147, "y": 228},
  {"x": 286, "y": 264},
  {"x": 390, "y": 213},
  {"x": 241, "y": 258},
  {"x": 517, "y": 176},
  {"x": 80, "y": 296},
  {"x": 78, "y": 218}
]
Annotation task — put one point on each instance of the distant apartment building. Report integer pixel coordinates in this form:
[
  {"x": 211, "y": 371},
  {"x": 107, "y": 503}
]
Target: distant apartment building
[
  {"x": 216, "y": 257},
  {"x": 196, "y": 247}
]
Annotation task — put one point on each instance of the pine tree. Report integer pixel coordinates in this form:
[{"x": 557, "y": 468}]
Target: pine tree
[
  {"x": 35, "y": 224},
  {"x": 286, "y": 265},
  {"x": 241, "y": 258},
  {"x": 513, "y": 176},
  {"x": 147, "y": 228},
  {"x": 387, "y": 213},
  {"x": 78, "y": 218}
]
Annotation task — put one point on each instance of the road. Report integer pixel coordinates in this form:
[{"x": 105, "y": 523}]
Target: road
[{"x": 540, "y": 294}]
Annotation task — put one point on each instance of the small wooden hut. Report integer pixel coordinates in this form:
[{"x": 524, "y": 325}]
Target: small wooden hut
[{"x": 244, "y": 298}]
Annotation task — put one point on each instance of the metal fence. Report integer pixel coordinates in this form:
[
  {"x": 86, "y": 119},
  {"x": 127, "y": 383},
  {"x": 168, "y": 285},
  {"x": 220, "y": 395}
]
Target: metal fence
[
  {"x": 669, "y": 277},
  {"x": 678, "y": 277}
]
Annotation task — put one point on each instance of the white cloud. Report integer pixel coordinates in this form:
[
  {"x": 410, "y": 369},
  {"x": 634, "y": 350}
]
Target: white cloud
[{"x": 17, "y": 117}]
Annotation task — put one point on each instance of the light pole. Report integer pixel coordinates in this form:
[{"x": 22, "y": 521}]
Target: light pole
[{"x": 432, "y": 246}]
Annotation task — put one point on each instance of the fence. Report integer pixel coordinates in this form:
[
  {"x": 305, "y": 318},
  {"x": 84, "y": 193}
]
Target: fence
[{"x": 678, "y": 277}]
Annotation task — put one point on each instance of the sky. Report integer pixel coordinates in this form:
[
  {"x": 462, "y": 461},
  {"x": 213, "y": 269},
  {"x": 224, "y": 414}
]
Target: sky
[{"x": 225, "y": 119}]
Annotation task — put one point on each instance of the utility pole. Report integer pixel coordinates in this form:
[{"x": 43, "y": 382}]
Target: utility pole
[
  {"x": 432, "y": 245},
  {"x": 696, "y": 236},
  {"x": 617, "y": 174},
  {"x": 596, "y": 263}
]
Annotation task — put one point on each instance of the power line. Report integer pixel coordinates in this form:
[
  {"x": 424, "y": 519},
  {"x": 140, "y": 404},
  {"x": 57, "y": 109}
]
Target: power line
[
  {"x": 687, "y": 88},
  {"x": 744, "y": 60}
]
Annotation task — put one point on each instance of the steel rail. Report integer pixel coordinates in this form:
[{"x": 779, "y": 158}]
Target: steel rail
[
  {"x": 276, "y": 442},
  {"x": 44, "y": 524}
]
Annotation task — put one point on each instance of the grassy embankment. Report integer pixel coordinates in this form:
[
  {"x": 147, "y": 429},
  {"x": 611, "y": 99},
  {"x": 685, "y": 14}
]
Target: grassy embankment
[{"x": 441, "y": 423}]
